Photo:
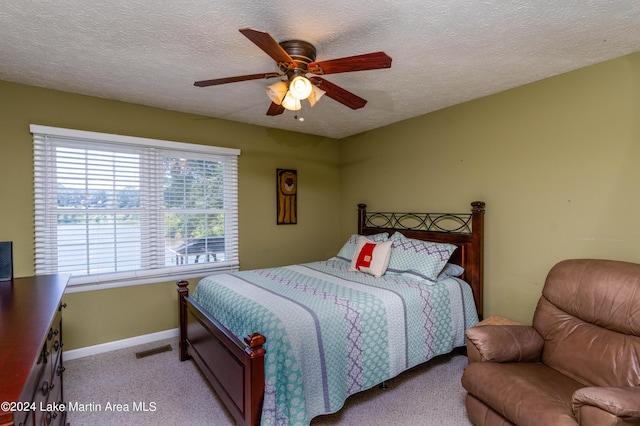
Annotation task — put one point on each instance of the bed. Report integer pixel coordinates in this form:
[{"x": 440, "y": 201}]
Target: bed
[{"x": 361, "y": 329}]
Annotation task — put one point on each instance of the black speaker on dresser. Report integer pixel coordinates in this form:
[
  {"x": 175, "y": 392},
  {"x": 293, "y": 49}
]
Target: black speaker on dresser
[{"x": 6, "y": 261}]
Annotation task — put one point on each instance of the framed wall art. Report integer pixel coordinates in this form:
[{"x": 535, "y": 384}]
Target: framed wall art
[{"x": 287, "y": 193}]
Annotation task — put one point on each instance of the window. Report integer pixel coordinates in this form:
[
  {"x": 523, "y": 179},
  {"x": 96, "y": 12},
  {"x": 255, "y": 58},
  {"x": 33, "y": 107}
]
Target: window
[{"x": 115, "y": 210}]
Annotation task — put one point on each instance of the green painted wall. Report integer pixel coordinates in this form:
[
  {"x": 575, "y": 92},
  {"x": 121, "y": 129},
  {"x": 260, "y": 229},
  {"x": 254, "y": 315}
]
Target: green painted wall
[
  {"x": 106, "y": 315},
  {"x": 556, "y": 161}
]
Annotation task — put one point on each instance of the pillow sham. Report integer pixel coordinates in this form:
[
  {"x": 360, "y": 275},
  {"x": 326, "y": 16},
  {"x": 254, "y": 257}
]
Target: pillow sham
[
  {"x": 349, "y": 248},
  {"x": 425, "y": 259},
  {"x": 371, "y": 257}
]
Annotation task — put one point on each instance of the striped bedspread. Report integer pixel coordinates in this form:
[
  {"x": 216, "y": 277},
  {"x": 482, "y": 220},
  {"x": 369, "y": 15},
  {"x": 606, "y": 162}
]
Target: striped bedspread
[{"x": 331, "y": 333}]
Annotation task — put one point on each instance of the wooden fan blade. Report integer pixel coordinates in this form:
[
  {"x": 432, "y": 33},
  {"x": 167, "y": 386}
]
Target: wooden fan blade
[
  {"x": 269, "y": 45},
  {"x": 275, "y": 109},
  {"x": 339, "y": 94},
  {"x": 368, "y": 61},
  {"x": 216, "y": 81}
]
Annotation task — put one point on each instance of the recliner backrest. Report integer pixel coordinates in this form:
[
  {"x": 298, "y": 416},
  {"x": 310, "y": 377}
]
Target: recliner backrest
[{"x": 589, "y": 317}]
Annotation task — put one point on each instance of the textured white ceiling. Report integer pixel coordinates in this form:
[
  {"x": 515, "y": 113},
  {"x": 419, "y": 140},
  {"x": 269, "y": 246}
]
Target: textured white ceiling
[{"x": 444, "y": 52}]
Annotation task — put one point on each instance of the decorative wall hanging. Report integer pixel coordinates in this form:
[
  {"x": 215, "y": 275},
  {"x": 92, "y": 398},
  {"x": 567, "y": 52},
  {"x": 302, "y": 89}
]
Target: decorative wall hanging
[{"x": 287, "y": 189}]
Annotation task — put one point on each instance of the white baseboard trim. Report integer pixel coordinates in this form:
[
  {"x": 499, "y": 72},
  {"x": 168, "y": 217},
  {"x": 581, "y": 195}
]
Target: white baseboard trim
[{"x": 119, "y": 344}]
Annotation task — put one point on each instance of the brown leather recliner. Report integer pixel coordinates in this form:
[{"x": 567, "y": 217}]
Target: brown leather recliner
[{"x": 579, "y": 362}]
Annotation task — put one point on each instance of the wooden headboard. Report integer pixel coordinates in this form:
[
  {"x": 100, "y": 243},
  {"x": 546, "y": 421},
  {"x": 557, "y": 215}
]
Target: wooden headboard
[{"x": 466, "y": 230}]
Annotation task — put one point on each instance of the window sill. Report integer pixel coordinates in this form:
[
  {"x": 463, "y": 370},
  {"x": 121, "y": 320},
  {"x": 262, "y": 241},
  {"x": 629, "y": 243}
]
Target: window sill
[{"x": 134, "y": 281}]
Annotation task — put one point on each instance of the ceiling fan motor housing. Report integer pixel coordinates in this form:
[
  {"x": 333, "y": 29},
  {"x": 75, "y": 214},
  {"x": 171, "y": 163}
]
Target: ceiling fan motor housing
[{"x": 302, "y": 52}]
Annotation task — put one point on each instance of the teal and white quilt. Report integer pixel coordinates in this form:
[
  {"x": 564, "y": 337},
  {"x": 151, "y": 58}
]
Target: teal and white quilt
[{"x": 331, "y": 333}]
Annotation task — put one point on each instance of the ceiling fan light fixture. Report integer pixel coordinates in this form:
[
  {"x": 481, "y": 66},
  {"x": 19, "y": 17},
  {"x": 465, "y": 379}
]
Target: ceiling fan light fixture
[
  {"x": 290, "y": 102},
  {"x": 300, "y": 87},
  {"x": 316, "y": 94},
  {"x": 277, "y": 91}
]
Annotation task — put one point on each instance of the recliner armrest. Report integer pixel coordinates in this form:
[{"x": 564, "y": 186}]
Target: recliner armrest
[
  {"x": 504, "y": 343},
  {"x": 619, "y": 401}
]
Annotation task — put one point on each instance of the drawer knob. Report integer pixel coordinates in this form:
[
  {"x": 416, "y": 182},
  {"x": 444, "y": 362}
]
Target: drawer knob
[{"x": 46, "y": 387}]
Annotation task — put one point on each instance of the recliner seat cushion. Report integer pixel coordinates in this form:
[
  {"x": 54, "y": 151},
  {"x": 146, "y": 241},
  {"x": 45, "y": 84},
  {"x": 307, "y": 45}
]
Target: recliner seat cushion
[
  {"x": 527, "y": 394},
  {"x": 480, "y": 414}
]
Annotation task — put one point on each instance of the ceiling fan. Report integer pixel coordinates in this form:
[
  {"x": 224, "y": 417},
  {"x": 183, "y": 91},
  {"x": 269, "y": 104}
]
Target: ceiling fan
[{"x": 296, "y": 62}]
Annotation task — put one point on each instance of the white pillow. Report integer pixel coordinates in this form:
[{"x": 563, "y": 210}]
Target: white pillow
[{"x": 371, "y": 257}]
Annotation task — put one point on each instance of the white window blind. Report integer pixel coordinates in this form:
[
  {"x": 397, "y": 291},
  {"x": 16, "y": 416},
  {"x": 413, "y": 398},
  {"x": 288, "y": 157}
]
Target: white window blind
[{"x": 117, "y": 210}]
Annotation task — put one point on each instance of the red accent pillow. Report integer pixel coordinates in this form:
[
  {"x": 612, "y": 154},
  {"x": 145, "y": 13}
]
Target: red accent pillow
[
  {"x": 371, "y": 257},
  {"x": 365, "y": 256}
]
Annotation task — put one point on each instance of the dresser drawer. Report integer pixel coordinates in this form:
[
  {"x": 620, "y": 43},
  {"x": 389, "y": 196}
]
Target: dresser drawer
[{"x": 49, "y": 393}]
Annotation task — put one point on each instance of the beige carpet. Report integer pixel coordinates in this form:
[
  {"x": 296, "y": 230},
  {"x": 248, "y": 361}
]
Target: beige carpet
[{"x": 116, "y": 388}]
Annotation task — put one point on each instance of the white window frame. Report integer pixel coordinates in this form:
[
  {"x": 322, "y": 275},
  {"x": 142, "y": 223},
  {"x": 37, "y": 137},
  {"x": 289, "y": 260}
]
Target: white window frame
[{"x": 46, "y": 207}]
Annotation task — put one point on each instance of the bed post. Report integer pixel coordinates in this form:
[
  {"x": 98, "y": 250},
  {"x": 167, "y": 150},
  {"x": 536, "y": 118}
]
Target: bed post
[
  {"x": 254, "y": 378},
  {"x": 362, "y": 217},
  {"x": 183, "y": 291},
  {"x": 477, "y": 244}
]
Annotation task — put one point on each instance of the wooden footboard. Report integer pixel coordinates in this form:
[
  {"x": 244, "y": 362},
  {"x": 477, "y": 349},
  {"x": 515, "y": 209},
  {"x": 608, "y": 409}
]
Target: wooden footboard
[{"x": 234, "y": 368}]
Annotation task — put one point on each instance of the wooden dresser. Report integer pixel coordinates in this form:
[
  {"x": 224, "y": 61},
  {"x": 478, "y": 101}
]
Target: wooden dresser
[{"x": 31, "y": 350}]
